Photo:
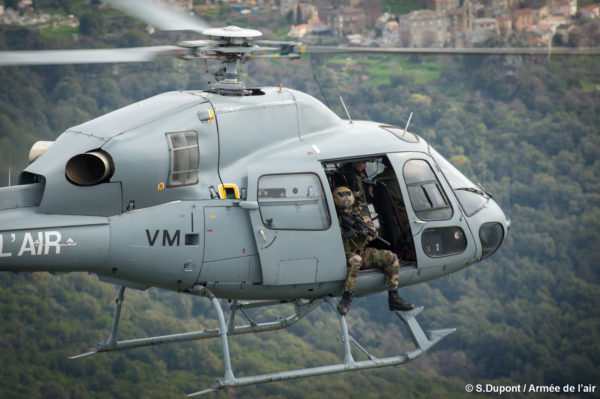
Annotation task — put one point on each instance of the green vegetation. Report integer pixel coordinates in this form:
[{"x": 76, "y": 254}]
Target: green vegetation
[
  {"x": 403, "y": 6},
  {"x": 527, "y": 129},
  {"x": 59, "y": 33}
]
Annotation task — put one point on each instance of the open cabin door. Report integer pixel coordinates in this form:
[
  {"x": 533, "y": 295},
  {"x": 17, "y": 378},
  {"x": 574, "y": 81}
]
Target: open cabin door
[
  {"x": 440, "y": 232},
  {"x": 295, "y": 225}
]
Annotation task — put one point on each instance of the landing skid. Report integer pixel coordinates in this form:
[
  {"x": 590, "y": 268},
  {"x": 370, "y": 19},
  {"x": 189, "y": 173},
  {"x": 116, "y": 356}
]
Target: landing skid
[
  {"x": 423, "y": 340},
  {"x": 112, "y": 344}
]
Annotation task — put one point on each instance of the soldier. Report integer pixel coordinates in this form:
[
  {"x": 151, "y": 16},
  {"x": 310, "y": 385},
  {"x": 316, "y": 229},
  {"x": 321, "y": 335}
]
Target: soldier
[
  {"x": 357, "y": 232},
  {"x": 355, "y": 173}
]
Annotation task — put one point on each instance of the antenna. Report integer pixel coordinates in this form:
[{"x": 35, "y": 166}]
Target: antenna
[
  {"x": 322, "y": 92},
  {"x": 408, "y": 122},
  {"x": 346, "y": 109},
  {"x": 508, "y": 206},
  {"x": 9, "y": 167}
]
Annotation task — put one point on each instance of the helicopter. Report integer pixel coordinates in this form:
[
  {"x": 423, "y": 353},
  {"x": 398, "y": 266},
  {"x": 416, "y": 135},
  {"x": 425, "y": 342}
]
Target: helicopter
[{"x": 226, "y": 193}]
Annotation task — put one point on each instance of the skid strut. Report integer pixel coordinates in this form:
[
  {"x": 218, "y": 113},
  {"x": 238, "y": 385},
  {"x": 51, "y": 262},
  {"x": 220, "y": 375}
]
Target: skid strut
[
  {"x": 423, "y": 340},
  {"x": 112, "y": 344}
]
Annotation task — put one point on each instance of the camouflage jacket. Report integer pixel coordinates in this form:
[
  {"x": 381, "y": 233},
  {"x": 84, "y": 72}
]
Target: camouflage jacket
[{"x": 357, "y": 243}]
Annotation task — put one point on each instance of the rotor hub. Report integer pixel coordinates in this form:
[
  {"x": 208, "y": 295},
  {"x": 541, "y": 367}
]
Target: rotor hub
[{"x": 232, "y": 31}]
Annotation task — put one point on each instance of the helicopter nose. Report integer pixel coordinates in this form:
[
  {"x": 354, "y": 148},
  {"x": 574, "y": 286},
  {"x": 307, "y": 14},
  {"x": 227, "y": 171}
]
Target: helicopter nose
[{"x": 492, "y": 226}]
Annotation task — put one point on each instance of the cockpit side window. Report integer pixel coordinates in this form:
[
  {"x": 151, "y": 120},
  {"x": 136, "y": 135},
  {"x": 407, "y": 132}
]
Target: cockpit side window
[
  {"x": 471, "y": 198},
  {"x": 293, "y": 201},
  {"x": 184, "y": 156},
  {"x": 426, "y": 194}
]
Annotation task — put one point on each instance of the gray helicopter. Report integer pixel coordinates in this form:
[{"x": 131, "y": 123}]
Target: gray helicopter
[{"x": 226, "y": 193}]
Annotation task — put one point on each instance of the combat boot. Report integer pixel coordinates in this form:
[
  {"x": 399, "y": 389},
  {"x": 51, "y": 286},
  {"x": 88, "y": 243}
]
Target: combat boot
[
  {"x": 344, "y": 306},
  {"x": 397, "y": 303}
]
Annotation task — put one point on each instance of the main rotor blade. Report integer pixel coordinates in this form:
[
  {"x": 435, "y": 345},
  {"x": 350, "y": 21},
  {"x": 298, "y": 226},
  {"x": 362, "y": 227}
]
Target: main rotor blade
[
  {"x": 300, "y": 49},
  {"x": 96, "y": 56},
  {"x": 160, "y": 17}
]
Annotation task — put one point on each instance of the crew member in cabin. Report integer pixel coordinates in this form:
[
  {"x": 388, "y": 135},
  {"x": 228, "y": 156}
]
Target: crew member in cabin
[{"x": 357, "y": 232}]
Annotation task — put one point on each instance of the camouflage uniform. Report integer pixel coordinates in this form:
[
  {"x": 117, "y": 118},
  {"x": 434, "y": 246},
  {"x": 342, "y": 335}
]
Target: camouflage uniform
[
  {"x": 360, "y": 257},
  {"x": 356, "y": 237},
  {"x": 354, "y": 178}
]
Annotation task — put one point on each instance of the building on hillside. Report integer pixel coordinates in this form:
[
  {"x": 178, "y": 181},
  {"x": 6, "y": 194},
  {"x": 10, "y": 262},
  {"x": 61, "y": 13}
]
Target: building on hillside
[
  {"x": 522, "y": 19},
  {"x": 500, "y": 8},
  {"x": 346, "y": 20},
  {"x": 486, "y": 25},
  {"x": 382, "y": 20},
  {"x": 567, "y": 8},
  {"x": 443, "y": 24},
  {"x": 537, "y": 42},
  {"x": 314, "y": 28},
  {"x": 442, "y": 5},
  {"x": 424, "y": 28},
  {"x": 286, "y": 6},
  {"x": 590, "y": 12},
  {"x": 541, "y": 31},
  {"x": 304, "y": 12},
  {"x": 372, "y": 10},
  {"x": 460, "y": 20},
  {"x": 483, "y": 29},
  {"x": 390, "y": 33},
  {"x": 539, "y": 12},
  {"x": 554, "y": 22},
  {"x": 504, "y": 24},
  {"x": 298, "y": 31}
]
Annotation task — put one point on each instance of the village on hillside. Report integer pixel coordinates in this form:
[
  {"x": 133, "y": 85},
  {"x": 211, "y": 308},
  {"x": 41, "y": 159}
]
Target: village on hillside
[{"x": 444, "y": 23}]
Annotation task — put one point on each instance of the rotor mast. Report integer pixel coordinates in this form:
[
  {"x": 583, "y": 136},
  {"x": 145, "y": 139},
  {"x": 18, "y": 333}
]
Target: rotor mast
[{"x": 234, "y": 46}]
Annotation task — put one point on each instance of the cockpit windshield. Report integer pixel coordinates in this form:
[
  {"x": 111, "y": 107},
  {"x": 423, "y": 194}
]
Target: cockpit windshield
[{"x": 471, "y": 198}]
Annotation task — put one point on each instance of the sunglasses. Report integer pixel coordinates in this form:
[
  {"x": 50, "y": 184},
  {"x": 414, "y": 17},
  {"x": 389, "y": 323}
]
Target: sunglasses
[{"x": 344, "y": 194}]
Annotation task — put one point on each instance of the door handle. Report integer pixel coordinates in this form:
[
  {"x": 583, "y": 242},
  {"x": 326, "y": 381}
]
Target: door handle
[
  {"x": 249, "y": 205},
  {"x": 262, "y": 234}
]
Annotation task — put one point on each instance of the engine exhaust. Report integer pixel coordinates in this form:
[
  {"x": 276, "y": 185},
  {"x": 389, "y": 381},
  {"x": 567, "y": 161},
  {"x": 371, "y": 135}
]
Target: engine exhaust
[{"x": 90, "y": 168}]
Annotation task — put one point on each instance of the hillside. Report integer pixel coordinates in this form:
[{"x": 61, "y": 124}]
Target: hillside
[{"x": 526, "y": 128}]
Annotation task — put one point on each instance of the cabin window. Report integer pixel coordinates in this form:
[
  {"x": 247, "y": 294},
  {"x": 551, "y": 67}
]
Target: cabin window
[
  {"x": 426, "y": 194},
  {"x": 294, "y": 201},
  {"x": 184, "y": 157},
  {"x": 471, "y": 198},
  {"x": 443, "y": 241}
]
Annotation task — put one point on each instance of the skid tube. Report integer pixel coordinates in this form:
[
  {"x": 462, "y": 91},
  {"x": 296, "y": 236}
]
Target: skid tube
[
  {"x": 113, "y": 344},
  {"x": 423, "y": 341}
]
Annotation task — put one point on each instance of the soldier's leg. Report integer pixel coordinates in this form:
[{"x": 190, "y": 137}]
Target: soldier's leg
[
  {"x": 385, "y": 260},
  {"x": 355, "y": 263},
  {"x": 390, "y": 269},
  {"x": 388, "y": 262}
]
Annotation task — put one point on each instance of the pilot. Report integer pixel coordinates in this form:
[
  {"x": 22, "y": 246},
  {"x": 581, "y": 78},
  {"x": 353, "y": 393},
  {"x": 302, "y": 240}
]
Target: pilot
[
  {"x": 357, "y": 232},
  {"x": 355, "y": 173}
]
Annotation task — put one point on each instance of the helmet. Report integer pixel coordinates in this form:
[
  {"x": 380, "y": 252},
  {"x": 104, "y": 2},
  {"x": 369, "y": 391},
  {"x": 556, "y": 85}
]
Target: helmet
[{"x": 343, "y": 197}]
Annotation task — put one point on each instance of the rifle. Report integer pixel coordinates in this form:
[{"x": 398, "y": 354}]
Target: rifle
[{"x": 352, "y": 224}]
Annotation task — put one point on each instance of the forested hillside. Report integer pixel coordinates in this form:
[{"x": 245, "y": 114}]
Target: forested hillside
[{"x": 526, "y": 128}]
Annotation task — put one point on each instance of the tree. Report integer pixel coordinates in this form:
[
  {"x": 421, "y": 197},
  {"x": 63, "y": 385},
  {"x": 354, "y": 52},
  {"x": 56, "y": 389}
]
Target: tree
[
  {"x": 14, "y": 4},
  {"x": 91, "y": 24}
]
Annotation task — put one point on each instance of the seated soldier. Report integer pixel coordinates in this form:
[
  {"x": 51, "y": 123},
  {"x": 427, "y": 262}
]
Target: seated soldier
[
  {"x": 354, "y": 173},
  {"x": 357, "y": 233}
]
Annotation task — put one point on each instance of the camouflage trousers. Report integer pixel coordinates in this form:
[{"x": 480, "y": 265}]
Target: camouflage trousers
[{"x": 372, "y": 258}]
